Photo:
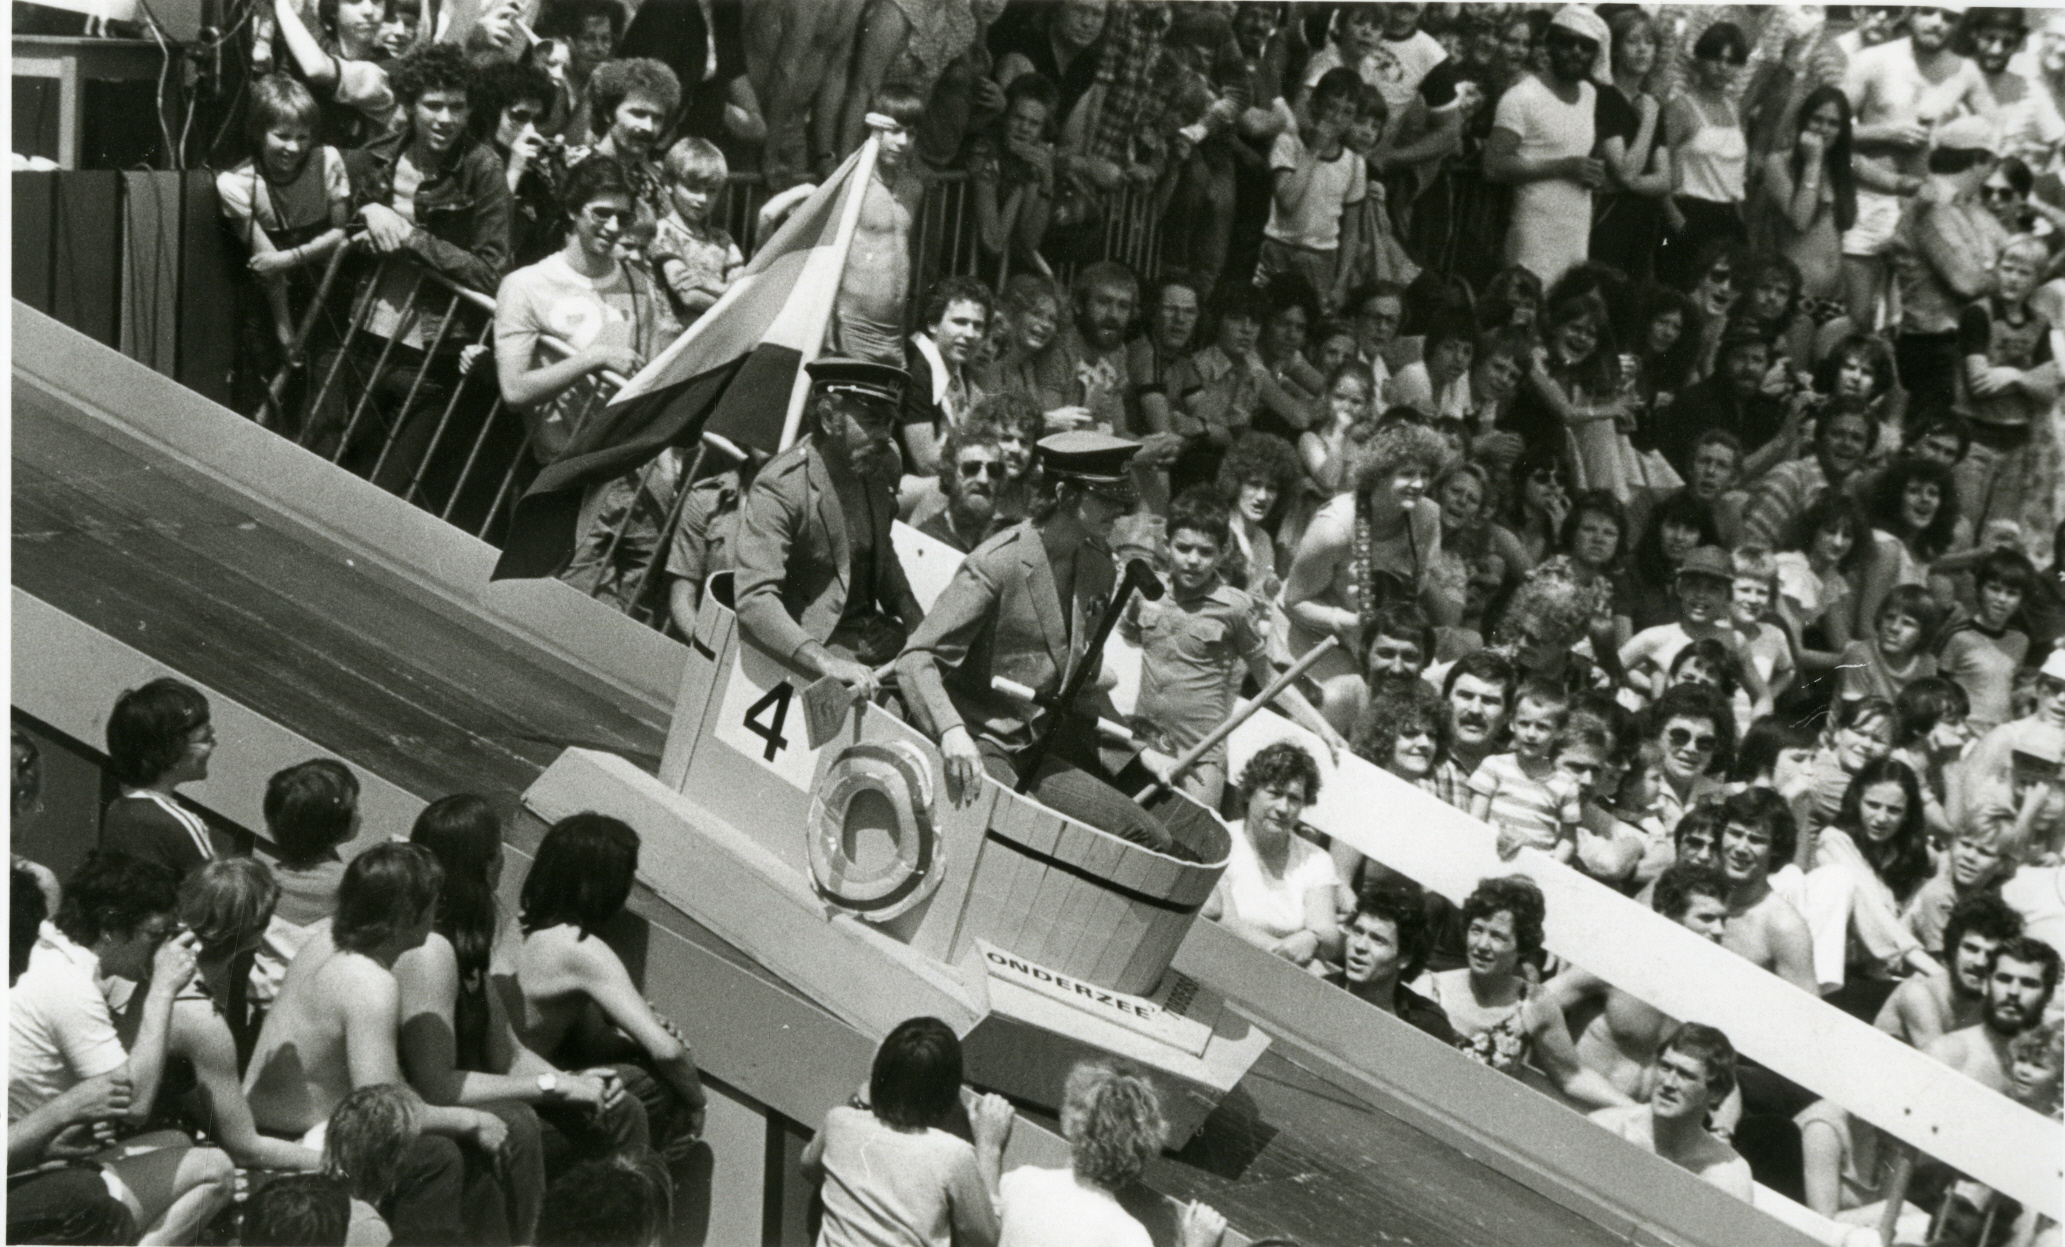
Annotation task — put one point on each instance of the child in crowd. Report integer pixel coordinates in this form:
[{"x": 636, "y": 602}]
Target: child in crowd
[
  {"x": 1513, "y": 791},
  {"x": 1324, "y": 448},
  {"x": 1765, "y": 646},
  {"x": 1708, "y": 663},
  {"x": 1817, "y": 579},
  {"x": 697, "y": 260},
  {"x": 1896, "y": 656},
  {"x": 310, "y": 809},
  {"x": 2009, "y": 382},
  {"x": 1978, "y": 860},
  {"x": 1705, "y": 585},
  {"x": 289, "y": 201},
  {"x": 1200, "y": 641},
  {"x": 1929, "y": 735},
  {"x": 1983, "y": 652},
  {"x": 1859, "y": 731},
  {"x": 1316, "y": 183},
  {"x": 1382, "y": 257},
  {"x": 1637, "y": 802},
  {"x": 1588, "y": 835}
]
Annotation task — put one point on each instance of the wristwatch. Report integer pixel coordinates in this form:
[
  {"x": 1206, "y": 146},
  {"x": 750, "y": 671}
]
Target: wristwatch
[{"x": 548, "y": 1084}]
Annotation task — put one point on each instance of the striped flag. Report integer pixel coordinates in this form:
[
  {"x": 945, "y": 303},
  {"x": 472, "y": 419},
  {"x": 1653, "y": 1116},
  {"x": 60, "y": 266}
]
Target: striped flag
[{"x": 735, "y": 377}]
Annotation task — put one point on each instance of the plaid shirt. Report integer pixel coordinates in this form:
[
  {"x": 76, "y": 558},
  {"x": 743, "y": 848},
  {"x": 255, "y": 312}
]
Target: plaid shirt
[{"x": 1133, "y": 35}]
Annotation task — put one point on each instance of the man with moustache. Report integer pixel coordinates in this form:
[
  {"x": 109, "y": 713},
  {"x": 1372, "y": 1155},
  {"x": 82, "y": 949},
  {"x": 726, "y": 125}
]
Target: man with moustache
[
  {"x": 1622, "y": 1041},
  {"x": 1023, "y": 605},
  {"x": 971, "y": 471},
  {"x": 1899, "y": 91},
  {"x": 818, "y": 583},
  {"x": 2028, "y": 117},
  {"x": 1479, "y": 687},
  {"x": 1925, "y": 1007},
  {"x": 1731, "y": 399},
  {"x": 1387, "y": 948},
  {"x": 1694, "y": 1072},
  {"x": 2020, "y": 977}
]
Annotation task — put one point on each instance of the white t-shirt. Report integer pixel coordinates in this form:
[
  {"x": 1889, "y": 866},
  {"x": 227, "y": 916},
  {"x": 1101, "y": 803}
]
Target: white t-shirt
[
  {"x": 549, "y": 297},
  {"x": 1049, "y": 1208},
  {"x": 2038, "y": 894},
  {"x": 1338, "y": 183},
  {"x": 60, "y": 1031},
  {"x": 1412, "y": 387},
  {"x": 1552, "y": 218},
  {"x": 1277, "y": 908},
  {"x": 893, "y": 1188}
]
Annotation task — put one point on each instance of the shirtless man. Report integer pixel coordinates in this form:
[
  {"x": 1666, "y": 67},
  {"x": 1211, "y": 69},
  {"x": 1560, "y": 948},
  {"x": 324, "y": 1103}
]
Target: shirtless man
[
  {"x": 1925, "y": 1007},
  {"x": 577, "y": 1001},
  {"x": 1900, "y": 91},
  {"x": 334, "y": 1028},
  {"x": 1763, "y": 926},
  {"x": 2019, "y": 981},
  {"x": 1694, "y": 1072},
  {"x": 867, "y": 320},
  {"x": 1622, "y": 1039}
]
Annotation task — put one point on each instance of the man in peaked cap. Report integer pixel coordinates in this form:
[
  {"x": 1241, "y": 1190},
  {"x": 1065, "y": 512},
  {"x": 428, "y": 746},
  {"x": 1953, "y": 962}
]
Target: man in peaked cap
[
  {"x": 1022, "y": 605},
  {"x": 818, "y": 583}
]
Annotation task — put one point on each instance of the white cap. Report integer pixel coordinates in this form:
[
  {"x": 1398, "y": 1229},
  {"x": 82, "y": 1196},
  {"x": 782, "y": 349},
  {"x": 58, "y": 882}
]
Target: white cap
[{"x": 2054, "y": 666}]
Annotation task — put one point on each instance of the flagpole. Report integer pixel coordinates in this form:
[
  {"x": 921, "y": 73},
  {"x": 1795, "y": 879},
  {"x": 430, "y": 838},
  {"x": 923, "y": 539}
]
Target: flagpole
[{"x": 842, "y": 243}]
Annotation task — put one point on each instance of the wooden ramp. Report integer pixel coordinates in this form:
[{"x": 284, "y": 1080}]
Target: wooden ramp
[{"x": 155, "y": 531}]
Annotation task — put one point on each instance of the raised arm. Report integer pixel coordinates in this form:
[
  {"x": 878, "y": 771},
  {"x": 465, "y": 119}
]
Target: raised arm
[
  {"x": 172, "y": 968},
  {"x": 318, "y": 67},
  {"x": 883, "y": 32}
]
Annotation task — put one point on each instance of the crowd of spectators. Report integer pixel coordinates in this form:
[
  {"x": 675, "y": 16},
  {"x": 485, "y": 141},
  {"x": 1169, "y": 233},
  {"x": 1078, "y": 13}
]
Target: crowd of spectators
[{"x": 1655, "y": 409}]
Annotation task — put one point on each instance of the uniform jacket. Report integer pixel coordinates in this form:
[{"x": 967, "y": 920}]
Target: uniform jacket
[
  {"x": 793, "y": 561},
  {"x": 1001, "y": 615}
]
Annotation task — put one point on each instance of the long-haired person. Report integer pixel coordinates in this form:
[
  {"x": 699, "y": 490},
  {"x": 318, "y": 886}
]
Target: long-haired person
[{"x": 894, "y": 1163}]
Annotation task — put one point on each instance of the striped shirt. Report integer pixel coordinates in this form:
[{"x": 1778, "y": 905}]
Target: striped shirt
[{"x": 1519, "y": 802}]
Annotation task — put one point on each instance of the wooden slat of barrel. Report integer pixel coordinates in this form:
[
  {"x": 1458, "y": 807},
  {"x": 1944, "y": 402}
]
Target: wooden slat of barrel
[
  {"x": 1155, "y": 949},
  {"x": 1039, "y": 933},
  {"x": 1079, "y": 932},
  {"x": 1193, "y": 883},
  {"x": 1127, "y": 925}
]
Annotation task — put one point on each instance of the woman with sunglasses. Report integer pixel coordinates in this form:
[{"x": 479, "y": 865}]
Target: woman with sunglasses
[
  {"x": 1709, "y": 152},
  {"x": 1537, "y": 503}
]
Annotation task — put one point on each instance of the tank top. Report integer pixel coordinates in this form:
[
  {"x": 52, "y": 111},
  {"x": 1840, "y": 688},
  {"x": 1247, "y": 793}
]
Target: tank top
[{"x": 1713, "y": 161}]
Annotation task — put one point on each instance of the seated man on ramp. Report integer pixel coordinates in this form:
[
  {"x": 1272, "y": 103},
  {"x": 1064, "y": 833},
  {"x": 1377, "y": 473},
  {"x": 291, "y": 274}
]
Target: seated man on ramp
[
  {"x": 1023, "y": 605},
  {"x": 818, "y": 583}
]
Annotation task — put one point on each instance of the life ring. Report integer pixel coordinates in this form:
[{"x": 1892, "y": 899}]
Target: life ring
[{"x": 899, "y": 774}]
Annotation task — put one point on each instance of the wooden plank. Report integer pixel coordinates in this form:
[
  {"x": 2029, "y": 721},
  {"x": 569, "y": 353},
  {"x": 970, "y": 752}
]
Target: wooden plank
[
  {"x": 69, "y": 674},
  {"x": 412, "y": 552},
  {"x": 1868, "y": 1072}
]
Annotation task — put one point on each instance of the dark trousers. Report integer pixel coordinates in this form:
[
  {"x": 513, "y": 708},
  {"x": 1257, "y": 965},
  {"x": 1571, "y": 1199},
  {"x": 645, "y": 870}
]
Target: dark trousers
[
  {"x": 1072, "y": 780},
  {"x": 379, "y": 417},
  {"x": 1766, "y": 1136},
  {"x": 1928, "y": 364},
  {"x": 451, "y": 1192},
  {"x": 572, "y": 1134},
  {"x": 69, "y": 1205}
]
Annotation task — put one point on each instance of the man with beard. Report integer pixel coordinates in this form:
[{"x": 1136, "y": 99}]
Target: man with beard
[
  {"x": 818, "y": 583},
  {"x": 2028, "y": 118},
  {"x": 971, "y": 472},
  {"x": 1731, "y": 399},
  {"x": 1926, "y": 1007},
  {"x": 1479, "y": 688},
  {"x": 1095, "y": 370},
  {"x": 2020, "y": 977},
  {"x": 1023, "y": 604},
  {"x": 941, "y": 393},
  {"x": 1387, "y": 948},
  {"x": 1694, "y": 1072},
  {"x": 1621, "y": 1040},
  {"x": 1541, "y": 146},
  {"x": 1758, "y": 835},
  {"x": 1899, "y": 91},
  {"x": 1842, "y": 439}
]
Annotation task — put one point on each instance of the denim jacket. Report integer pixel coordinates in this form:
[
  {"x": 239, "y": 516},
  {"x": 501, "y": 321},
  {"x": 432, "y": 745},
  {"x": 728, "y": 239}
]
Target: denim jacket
[{"x": 462, "y": 210}]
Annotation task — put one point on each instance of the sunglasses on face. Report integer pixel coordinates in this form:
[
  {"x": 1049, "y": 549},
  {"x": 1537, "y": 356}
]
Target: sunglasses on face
[
  {"x": 1997, "y": 194},
  {"x": 1681, "y": 738},
  {"x": 603, "y": 216},
  {"x": 994, "y": 471}
]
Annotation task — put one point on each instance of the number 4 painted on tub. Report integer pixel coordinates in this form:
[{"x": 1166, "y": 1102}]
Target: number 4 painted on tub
[{"x": 776, "y": 706}]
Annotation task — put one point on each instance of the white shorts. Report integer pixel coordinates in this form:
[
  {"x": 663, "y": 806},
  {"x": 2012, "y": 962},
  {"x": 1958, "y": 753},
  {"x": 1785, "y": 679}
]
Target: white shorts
[{"x": 1878, "y": 215}]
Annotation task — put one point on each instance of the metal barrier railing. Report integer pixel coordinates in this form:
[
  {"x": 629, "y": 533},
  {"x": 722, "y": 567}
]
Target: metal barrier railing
[{"x": 399, "y": 386}]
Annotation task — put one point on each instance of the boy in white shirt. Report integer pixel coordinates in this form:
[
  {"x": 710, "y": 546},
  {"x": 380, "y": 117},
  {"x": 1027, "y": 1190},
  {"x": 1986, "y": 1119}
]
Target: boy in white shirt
[{"x": 1314, "y": 180}]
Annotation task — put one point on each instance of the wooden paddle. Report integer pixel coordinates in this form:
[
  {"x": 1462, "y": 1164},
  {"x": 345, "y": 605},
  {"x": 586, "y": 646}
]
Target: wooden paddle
[{"x": 1241, "y": 714}]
